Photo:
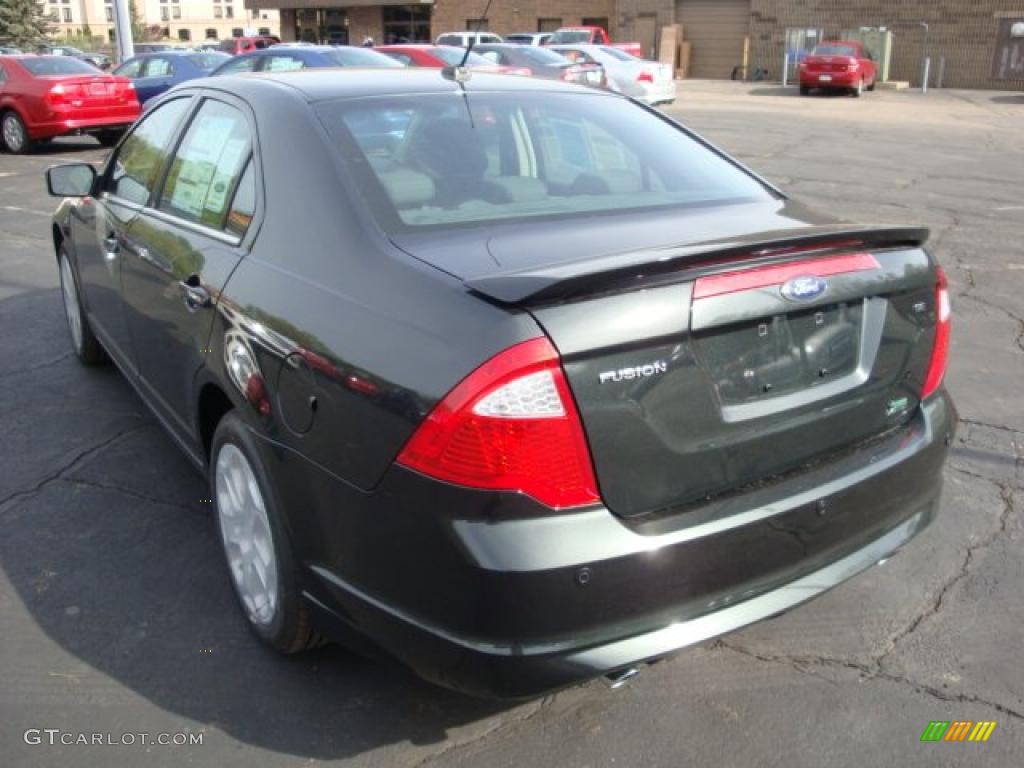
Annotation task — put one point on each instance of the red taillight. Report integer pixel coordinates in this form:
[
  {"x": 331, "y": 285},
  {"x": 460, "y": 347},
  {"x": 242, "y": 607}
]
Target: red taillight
[
  {"x": 510, "y": 425},
  {"x": 57, "y": 95},
  {"x": 940, "y": 349},
  {"x": 645, "y": 77}
]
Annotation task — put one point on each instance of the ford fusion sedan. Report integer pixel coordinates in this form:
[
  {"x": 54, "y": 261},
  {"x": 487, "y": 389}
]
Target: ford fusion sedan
[
  {"x": 154, "y": 73},
  {"x": 286, "y": 58},
  {"x": 42, "y": 97},
  {"x": 838, "y": 65},
  {"x": 523, "y": 382}
]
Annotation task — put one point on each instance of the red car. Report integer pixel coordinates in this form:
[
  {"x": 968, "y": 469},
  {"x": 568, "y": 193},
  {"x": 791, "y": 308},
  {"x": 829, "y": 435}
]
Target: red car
[
  {"x": 438, "y": 56},
  {"x": 237, "y": 45},
  {"x": 46, "y": 96},
  {"x": 838, "y": 64}
]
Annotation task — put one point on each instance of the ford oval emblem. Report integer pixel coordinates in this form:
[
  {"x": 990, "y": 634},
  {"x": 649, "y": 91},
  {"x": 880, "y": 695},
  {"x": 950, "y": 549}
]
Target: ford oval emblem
[{"x": 804, "y": 288}]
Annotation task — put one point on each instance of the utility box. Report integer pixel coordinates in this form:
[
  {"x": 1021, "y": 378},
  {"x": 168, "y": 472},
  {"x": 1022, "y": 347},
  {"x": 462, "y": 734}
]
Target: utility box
[{"x": 878, "y": 42}]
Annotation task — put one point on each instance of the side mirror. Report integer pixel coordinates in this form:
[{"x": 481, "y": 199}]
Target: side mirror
[{"x": 71, "y": 180}]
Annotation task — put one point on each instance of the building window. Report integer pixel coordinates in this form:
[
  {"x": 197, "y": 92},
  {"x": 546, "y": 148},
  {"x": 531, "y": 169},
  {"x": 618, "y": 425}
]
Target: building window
[
  {"x": 229, "y": 11},
  {"x": 67, "y": 15},
  {"x": 211, "y": 33},
  {"x": 110, "y": 13},
  {"x": 176, "y": 12},
  {"x": 165, "y": 14},
  {"x": 264, "y": 30},
  {"x": 236, "y": 32},
  {"x": 406, "y": 23},
  {"x": 184, "y": 34},
  {"x": 218, "y": 12},
  {"x": 601, "y": 21}
]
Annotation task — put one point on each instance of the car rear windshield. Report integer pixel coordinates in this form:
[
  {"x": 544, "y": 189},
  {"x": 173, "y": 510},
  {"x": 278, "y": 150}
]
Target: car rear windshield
[
  {"x": 435, "y": 160},
  {"x": 452, "y": 56},
  {"x": 834, "y": 50},
  {"x": 618, "y": 53},
  {"x": 544, "y": 56},
  {"x": 57, "y": 65},
  {"x": 571, "y": 36},
  {"x": 207, "y": 61},
  {"x": 360, "y": 57}
]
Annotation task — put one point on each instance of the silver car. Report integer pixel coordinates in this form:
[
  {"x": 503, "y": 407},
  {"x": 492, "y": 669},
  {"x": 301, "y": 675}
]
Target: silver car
[{"x": 648, "y": 81}]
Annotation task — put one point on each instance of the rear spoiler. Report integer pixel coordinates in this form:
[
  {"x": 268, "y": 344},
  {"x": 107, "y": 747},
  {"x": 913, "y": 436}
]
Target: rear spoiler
[{"x": 583, "y": 276}]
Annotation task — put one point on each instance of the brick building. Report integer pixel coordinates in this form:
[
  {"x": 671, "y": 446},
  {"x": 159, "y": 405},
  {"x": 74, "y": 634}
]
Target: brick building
[{"x": 723, "y": 33}]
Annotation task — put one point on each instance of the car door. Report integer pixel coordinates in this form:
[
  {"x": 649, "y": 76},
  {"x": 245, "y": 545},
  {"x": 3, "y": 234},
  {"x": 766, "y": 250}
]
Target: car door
[
  {"x": 184, "y": 247},
  {"x": 156, "y": 77},
  {"x": 100, "y": 224}
]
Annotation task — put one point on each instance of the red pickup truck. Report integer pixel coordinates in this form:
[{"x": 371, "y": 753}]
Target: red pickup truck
[{"x": 591, "y": 36}]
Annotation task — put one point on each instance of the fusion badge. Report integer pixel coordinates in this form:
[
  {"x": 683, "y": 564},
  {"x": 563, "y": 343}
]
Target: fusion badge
[
  {"x": 803, "y": 288},
  {"x": 636, "y": 372}
]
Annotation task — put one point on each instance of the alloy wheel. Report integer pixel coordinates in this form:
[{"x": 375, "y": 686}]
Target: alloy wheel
[
  {"x": 13, "y": 132},
  {"x": 245, "y": 531}
]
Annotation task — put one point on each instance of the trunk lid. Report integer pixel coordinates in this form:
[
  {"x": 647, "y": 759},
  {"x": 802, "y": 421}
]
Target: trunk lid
[{"x": 715, "y": 364}]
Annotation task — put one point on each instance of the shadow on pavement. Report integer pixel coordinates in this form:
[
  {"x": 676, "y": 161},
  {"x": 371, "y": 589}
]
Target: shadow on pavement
[{"x": 109, "y": 547}]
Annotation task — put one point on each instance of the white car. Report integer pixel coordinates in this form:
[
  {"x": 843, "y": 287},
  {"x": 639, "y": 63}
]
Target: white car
[
  {"x": 461, "y": 39},
  {"x": 528, "y": 38},
  {"x": 648, "y": 81}
]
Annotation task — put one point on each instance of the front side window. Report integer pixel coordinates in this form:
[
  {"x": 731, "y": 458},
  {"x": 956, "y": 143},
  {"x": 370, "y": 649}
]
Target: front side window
[
  {"x": 241, "y": 64},
  {"x": 131, "y": 68},
  {"x": 136, "y": 168},
  {"x": 487, "y": 157},
  {"x": 208, "y": 165}
]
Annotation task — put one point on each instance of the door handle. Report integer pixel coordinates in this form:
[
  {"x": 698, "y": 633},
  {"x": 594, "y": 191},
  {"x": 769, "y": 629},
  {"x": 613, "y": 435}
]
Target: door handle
[
  {"x": 194, "y": 294},
  {"x": 111, "y": 247}
]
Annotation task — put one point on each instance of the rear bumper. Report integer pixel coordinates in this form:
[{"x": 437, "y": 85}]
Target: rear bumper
[
  {"x": 513, "y": 608},
  {"x": 62, "y": 126},
  {"x": 838, "y": 79}
]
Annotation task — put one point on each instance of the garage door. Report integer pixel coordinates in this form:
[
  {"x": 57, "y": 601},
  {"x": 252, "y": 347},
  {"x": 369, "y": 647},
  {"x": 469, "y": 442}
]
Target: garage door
[{"x": 715, "y": 29}]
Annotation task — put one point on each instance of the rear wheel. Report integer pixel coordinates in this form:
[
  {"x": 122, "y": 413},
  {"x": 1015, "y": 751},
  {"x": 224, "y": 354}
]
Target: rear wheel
[
  {"x": 15, "y": 134},
  {"x": 255, "y": 543},
  {"x": 85, "y": 345},
  {"x": 109, "y": 138},
  {"x": 874, "y": 82},
  {"x": 805, "y": 90}
]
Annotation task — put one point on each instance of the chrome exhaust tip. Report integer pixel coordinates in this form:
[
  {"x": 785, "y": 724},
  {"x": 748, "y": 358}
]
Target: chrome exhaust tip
[{"x": 618, "y": 679}]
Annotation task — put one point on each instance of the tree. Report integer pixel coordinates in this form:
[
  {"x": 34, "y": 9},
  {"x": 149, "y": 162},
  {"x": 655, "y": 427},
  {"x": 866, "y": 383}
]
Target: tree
[{"x": 24, "y": 23}]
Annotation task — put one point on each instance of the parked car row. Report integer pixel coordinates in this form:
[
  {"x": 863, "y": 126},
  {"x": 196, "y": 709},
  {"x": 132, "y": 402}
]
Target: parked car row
[{"x": 60, "y": 93}]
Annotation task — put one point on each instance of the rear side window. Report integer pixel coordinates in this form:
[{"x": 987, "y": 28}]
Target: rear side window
[
  {"x": 282, "y": 63},
  {"x": 208, "y": 165},
  {"x": 243, "y": 207},
  {"x": 136, "y": 168}
]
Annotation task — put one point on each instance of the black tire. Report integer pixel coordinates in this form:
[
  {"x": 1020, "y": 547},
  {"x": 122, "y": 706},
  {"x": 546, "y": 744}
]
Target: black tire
[
  {"x": 87, "y": 347},
  {"x": 290, "y": 629},
  {"x": 873, "y": 84},
  {"x": 14, "y": 134},
  {"x": 859, "y": 89},
  {"x": 805, "y": 90},
  {"x": 109, "y": 138}
]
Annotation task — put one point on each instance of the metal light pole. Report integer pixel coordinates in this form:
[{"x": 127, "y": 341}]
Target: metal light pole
[
  {"x": 925, "y": 62},
  {"x": 123, "y": 25}
]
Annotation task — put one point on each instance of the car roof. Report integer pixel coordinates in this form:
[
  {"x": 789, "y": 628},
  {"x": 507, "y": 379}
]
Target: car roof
[{"x": 329, "y": 84}]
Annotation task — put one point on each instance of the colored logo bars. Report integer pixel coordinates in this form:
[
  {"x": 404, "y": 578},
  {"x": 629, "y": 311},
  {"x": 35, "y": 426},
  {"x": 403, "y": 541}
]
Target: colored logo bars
[{"x": 958, "y": 730}]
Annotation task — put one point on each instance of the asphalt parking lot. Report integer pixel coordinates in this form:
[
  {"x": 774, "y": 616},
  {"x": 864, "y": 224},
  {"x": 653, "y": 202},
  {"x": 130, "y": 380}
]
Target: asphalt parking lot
[{"x": 116, "y": 613}]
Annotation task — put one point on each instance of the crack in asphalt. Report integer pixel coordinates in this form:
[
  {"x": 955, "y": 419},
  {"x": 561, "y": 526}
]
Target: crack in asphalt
[
  {"x": 987, "y": 425},
  {"x": 76, "y": 480},
  {"x": 500, "y": 727},
  {"x": 36, "y": 366},
  {"x": 68, "y": 466},
  {"x": 876, "y": 669},
  {"x": 803, "y": 664}
]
